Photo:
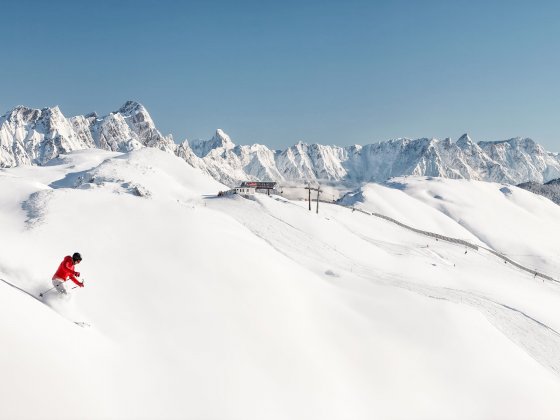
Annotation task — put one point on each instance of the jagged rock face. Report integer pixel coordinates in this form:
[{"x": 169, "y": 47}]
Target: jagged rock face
[
  {"x": 220, "y": 142},
  {"x": 32, "y": 136},
  {"x": 228, "y": 163},
  {"x": 113, "y": 133},
  {"x": 523, "y": 159},
  {"x": 143, "y": 128},
  {"x": 309, "y": 163}
]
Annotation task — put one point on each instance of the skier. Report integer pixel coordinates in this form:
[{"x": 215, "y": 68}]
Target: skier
[{"x": 66, "y": 271}]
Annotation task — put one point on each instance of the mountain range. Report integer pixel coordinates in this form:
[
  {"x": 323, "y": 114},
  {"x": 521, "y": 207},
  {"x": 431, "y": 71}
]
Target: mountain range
[{"x": 35, "y": 136}]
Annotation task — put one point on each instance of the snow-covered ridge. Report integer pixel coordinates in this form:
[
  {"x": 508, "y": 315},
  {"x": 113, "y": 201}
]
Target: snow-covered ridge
[
  {"x": 550, "y": 189},
  {"x": 33, "y": 136}
]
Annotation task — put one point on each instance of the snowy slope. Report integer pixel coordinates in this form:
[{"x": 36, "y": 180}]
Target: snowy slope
[
  {"x": 231, "y": 308},
  {"x": 518, "y": 223}
]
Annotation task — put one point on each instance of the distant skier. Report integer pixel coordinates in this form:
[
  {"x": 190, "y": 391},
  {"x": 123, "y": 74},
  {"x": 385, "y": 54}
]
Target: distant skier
[{"x": 66, "y": 271}]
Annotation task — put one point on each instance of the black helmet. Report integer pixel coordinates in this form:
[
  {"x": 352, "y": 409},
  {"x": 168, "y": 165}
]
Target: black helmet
[{"x": 77, "y": 256}]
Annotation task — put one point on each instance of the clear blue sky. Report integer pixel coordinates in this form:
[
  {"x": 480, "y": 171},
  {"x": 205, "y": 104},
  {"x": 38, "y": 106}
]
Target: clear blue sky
[{"x": 275, "y": 72}]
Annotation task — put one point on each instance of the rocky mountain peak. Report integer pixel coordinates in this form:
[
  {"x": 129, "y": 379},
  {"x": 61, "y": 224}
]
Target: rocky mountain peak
[
  {"x": 220, "y": 142},
  {"x": 465, "y": 141},
  {"x": 22, "y": 114},
  {"x": 221, "y": 139},
  {"x": 130, "y": 108}
]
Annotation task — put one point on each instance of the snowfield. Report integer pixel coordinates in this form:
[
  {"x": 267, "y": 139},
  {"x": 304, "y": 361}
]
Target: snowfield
[{"x": 228, "y": 308}]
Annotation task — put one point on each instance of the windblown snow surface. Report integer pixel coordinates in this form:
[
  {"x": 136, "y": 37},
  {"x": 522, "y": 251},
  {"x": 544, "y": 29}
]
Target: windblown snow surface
[{"x": 228, "y": 308}]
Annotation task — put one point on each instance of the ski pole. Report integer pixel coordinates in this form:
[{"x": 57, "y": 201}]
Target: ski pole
[
  {"x": 77, "y": 286},
  {"x": 45, "y": 292}
]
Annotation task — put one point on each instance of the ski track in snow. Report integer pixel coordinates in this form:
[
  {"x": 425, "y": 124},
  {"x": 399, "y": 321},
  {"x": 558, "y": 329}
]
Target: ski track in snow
[
  {"x": 21, "y": 290},
  {"x": 537, "y": 339},
  {"x": 540, "y": 341},
  {"x": 82, "y": 324}
]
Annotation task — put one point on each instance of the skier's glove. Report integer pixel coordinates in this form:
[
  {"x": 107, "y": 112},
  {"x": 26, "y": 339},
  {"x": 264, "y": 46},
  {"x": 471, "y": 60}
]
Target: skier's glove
[
  {"x": 81, "y": 284},
  {"x": 77, "y": 274}
]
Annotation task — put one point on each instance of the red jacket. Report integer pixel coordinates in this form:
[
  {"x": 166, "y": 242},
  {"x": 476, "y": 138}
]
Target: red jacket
[{"x": 66, "y": 269}]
